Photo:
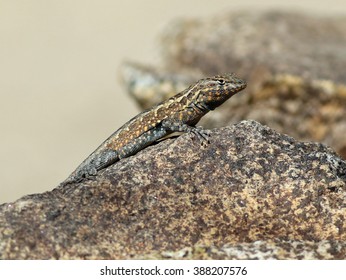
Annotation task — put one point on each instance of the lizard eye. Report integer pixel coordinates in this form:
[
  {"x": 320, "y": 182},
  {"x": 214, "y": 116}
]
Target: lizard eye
[{"x": 221, "y": 82}]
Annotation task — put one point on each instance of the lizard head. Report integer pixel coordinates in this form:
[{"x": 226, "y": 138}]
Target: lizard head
[{"x": 212, "y": 92}]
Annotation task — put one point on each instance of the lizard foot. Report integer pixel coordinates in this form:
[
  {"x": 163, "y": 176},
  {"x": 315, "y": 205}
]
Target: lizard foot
[
  {"x": 85, "y": 173},
  {"x": 202, "y": 135}
]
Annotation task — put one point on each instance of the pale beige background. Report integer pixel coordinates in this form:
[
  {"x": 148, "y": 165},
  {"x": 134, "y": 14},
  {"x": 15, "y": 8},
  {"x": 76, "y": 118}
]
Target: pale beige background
[{"x": 60, "y": 96}]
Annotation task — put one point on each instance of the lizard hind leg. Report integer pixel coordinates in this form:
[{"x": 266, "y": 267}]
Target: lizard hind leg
[
  {"x": 102, "y": 160},
  {"x": 142, "y": 141},
  {"x": 96, "y": 162}
]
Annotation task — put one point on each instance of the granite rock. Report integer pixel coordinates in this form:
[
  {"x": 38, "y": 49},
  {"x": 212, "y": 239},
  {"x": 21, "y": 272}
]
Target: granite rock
[
  {"x": 249, "y": 185},
  {"x": 256, "y": 44},
  {"x": 278, "y": 249}
]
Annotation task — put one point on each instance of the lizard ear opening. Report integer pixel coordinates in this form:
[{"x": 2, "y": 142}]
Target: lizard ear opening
[{"x": 221, "y": 82}]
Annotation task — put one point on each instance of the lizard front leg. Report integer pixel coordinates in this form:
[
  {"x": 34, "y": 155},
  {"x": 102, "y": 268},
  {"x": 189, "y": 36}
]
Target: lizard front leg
[{"x": 176, "y": 125}]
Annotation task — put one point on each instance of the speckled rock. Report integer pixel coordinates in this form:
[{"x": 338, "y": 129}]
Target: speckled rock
[
  {"x": 255, "y": 44},
  {"x": 249, "y": 184},
  {"x": 293, "y": 63},
  {"x": 263, "y": 250}
]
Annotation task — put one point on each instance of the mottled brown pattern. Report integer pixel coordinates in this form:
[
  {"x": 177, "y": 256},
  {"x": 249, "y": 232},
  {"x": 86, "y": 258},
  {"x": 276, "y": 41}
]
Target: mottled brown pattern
[{"x": 249, "y": 184}]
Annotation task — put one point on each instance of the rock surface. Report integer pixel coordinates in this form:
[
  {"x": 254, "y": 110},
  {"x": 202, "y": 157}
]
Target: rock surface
[
  {"x": 251, "y": 193},
  {"x": 255, "y": 43},
  {"x": 293, "y": 63},
  {"x": 263, "y": 250}
]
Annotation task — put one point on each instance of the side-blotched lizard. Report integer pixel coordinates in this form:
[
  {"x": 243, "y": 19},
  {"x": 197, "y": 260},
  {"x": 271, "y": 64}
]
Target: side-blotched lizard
[{"x": 179, "y": 113}]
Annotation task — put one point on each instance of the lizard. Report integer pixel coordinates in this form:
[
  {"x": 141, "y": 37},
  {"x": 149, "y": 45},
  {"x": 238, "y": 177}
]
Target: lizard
[{"x": 179, "y": 113}]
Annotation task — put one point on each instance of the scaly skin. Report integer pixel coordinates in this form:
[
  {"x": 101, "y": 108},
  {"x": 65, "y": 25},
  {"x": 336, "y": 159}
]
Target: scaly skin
[{"x": 179, "y": 113}]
